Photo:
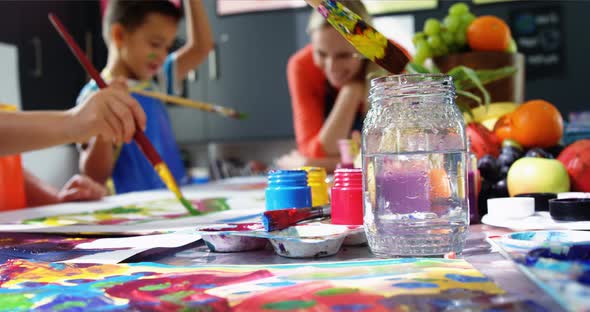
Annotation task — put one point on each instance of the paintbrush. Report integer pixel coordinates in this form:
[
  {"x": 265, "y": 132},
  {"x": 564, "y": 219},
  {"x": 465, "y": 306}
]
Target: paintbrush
[
  {"x": 223, "y": 111},
  {"x": 275, "y": 220},
  {"x": 142, "y": 141},
  {"x": 366, "y": 39}
]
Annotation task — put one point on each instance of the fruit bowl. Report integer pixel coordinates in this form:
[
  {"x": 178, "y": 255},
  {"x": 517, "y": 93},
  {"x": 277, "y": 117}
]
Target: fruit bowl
[{"x": 509, "y": 89}]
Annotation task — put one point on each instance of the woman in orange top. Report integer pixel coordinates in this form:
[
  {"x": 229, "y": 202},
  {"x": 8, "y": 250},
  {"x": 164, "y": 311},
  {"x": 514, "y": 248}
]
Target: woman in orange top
[
  {"x": 328, "y": 83},
  {"x": 111, "y": 113}
]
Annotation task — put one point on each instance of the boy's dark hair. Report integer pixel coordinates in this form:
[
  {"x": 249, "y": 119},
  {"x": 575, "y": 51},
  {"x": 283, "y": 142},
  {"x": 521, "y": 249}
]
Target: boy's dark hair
[{"x": 132, "y": 13}]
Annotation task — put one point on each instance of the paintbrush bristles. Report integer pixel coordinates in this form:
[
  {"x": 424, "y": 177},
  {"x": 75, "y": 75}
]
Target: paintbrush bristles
[{"x": 274, "y": 220}]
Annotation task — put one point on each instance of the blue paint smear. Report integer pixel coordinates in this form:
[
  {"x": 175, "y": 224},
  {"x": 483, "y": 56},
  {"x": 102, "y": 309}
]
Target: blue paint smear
[
  {"x": 413, "y": 285},
  {"x": 241, "y": 292},
  {"x": 351, "y": 307},
  {"x": 277, "y": 284},
  {"x": 204, "y": 286},
  {"x": 58, "y": 266},
  {"x": 467, "y": 278},
  {"x": 523, "y": 235}
]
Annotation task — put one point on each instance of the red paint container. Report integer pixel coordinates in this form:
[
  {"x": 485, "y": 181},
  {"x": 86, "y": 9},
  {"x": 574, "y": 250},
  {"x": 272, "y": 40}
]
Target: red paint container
[{"x": 347, "y": 197}]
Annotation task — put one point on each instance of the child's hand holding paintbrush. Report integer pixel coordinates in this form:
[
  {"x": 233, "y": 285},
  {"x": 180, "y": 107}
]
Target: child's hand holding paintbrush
[{"x": 140, "y": 138}]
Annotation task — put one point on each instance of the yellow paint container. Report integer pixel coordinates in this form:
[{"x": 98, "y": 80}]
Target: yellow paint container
[{"x": 316, "y": 180}]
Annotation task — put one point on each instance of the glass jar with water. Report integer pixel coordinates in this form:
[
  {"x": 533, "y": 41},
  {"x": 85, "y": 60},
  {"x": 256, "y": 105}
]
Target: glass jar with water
[{"x": 414, "y": 167}]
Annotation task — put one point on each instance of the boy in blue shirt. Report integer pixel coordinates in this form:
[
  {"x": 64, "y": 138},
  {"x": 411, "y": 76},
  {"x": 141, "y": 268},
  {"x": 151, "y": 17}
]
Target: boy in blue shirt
[{"x": 138, "y": 35}]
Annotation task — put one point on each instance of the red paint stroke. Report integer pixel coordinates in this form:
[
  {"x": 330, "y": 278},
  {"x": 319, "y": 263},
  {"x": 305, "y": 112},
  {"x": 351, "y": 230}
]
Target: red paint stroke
[
  {"x": 189, "y": 288},
  {"x": 312, "y": 292}
]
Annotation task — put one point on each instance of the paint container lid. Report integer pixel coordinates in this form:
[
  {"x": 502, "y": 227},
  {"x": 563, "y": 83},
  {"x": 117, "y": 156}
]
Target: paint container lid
[
  {"x": 570, "y": 209},
  {"x": 347, "y": 197},
  {"x": 316, "y": 179},
  {"x": 573, "y": 195},
  {"x": 541, "y": 200},
  {"x": 511, "y": 207},
  {"x": 287, "y": 189}
]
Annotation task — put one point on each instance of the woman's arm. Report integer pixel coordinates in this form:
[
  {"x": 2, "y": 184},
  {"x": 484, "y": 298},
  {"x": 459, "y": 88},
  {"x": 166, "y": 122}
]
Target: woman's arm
[{"x": 349, "y": 102}]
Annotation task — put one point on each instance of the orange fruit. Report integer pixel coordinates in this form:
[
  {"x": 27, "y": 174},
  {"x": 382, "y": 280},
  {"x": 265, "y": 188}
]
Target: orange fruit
[
  {"x": 503, "y": 128},
  {"x": 488, "y": 33},
  {"x": 536, "y": 123}
]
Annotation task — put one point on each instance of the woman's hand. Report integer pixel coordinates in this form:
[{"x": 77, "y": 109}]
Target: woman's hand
[{"x": 293, "y": 160}]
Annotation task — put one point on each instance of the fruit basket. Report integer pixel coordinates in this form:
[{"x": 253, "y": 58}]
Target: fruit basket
[{"x": 509, "y": 89}]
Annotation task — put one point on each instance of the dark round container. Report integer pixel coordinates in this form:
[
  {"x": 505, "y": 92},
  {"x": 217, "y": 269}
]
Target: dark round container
[
  {"x": 541, "y": 200},
  {"x": 570, "y": 209}
]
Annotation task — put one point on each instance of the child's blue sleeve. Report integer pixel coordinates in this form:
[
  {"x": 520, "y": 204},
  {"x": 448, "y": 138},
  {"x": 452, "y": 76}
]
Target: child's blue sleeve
[
  {"x": 167, "y": 76},
  {"x": 86, "y": 92}
]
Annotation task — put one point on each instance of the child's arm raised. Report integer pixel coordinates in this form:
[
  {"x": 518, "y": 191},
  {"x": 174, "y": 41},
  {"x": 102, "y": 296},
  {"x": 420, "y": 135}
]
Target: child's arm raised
[{"x": 199, "y": 39}]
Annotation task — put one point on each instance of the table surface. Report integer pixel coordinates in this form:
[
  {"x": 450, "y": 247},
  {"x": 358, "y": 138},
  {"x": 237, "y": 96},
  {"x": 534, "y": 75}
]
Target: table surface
[{"x": 478, "y": 252}]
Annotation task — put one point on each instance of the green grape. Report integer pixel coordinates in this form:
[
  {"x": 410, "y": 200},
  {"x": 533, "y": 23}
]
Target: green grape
[
  {"x": 432, "y": 27},
  {"x": 460, "y": 38},
  {"x": 435, "y": 42},
  {"x": 447, "y": 38},
  {"x": 419, "y": 58},
  {"x": 467, "y": 19},
  {"x": 458, "y": 9},
  {"x": 452, "y": 23},
  {"x": 424, "y": 48},
  {"x": 420, "y": 36}
]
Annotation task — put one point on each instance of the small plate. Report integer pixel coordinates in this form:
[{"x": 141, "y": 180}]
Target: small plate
[{"x": 541, "y": 220}]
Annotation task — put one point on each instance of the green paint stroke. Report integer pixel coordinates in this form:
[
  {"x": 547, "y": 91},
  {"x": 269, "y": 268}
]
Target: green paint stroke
[
  {"x": 177, "y": 296},
  {"x": 336, "y": 291},
  {"x": 189, "y": 206},
  {"x": 68, "y": 305},
  {"x": 289, "y": 305},
  {"x": 14, "y": 302},
  {"x": 152, "y": 56},
  {"x": 155, "y": 287}
]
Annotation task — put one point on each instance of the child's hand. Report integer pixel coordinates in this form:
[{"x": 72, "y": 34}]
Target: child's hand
[
  {"x": 80, "y": 187},
  {"x": 111, "y": 113}
]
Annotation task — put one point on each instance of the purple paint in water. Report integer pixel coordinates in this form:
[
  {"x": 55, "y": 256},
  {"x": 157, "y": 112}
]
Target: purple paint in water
[
  {"x": 472, "y": 197},
  {"x": 403, "y": 192}
]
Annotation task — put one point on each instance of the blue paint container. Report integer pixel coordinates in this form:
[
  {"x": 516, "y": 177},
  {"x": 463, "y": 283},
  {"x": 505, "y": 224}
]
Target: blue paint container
[{"x": 287, "y": 189}]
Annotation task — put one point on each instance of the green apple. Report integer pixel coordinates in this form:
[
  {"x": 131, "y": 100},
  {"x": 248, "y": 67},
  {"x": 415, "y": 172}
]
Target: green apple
[
  {"x": 512, "y": 48},
  {"x": 537, "y": 175}
]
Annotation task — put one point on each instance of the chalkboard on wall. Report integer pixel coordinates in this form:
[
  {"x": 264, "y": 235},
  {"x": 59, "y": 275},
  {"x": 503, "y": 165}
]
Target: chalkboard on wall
[{"x": 538, "y": 33}]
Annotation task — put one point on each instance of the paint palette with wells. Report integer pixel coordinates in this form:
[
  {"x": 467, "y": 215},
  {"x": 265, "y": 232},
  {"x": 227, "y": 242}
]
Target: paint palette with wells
[
  {"x": 310, "y": 240},
  {"x": 223, "y": 238}
]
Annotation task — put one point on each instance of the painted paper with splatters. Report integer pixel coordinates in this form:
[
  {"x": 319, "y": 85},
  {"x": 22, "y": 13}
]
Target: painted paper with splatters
[
  {"x": 561, "y": 279},
  {"x": 56, "y": 248},
  {"x": 376, "y": 285},
  {"x": 135, "y": 216}
]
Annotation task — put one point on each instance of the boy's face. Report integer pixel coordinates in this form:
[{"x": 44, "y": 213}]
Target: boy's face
[{"x": 144, "y": 49}]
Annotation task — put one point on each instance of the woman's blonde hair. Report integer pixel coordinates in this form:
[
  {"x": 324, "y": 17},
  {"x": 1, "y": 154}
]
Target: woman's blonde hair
[{"x": 317, "y": 21}]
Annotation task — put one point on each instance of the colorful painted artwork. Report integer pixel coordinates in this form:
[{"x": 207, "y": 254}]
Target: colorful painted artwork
[
  {"x": 151, "y": 211},
  {"x": 557, "y": 261},
  {"x": 373, "y": 285},
  {"x": 57, "y": 248},
  {"x": 155, "y": 215}
]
